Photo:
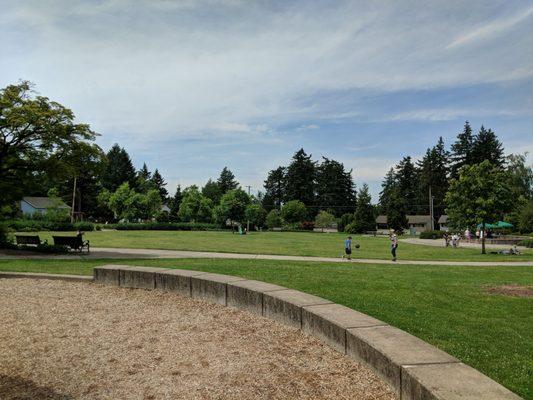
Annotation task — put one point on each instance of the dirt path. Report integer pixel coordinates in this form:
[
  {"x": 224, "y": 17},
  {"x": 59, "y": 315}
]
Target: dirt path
[
  {"x": 117, "y": 253},
  {"x": 64, "y": 340}
]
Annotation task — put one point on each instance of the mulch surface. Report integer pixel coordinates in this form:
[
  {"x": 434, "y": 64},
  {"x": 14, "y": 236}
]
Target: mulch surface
[{"x": 69, "y": 340}]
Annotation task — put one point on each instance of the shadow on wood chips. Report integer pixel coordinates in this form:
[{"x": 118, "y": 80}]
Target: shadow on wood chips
[{"x": 16, "y": 388}]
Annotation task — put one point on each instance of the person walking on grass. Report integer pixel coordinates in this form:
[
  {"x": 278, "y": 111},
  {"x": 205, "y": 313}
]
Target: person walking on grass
[
  {"x": 348, "y": 248},
  {"x": 394, "y": 244}
]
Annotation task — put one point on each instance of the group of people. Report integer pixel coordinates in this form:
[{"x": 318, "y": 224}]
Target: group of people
[
  {"x": 348, "y": 246},
  {"x": 452, "y": 239}
]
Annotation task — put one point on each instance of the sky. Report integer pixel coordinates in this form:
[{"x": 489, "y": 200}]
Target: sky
[{"x": 192, "y": 86}]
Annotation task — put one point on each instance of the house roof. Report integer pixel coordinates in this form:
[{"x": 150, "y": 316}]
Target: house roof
[
  {"x": 412, "y": 219},
  {"x": 443, "y": 219},
  {"x": 42, "y": 202}
]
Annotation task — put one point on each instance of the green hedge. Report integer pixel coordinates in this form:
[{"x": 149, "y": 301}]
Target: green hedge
[
  {"x": 527, "y": 243},
  {"x": 165, "y": 226},
  {"x": 432, "y": 234},
  {"x": 34, "y": 225}
]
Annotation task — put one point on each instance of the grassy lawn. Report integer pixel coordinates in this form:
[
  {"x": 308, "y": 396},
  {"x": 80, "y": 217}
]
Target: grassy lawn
[
  {"x": 444, "y": 305},
  {"x": 284, "y": 243}
]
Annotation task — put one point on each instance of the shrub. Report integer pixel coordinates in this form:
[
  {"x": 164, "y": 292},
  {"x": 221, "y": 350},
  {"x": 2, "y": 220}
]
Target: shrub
[
  {"x": 307, "y": 226},
  {"x": 324, "y": 220},
  {"x": 167, "y": 226},
  {"x": 293, "y": 211},
  {"x": 344, "y": 221},
  {"x": 273, "y": 219},
  {"x": 84, "y": 226},
  {"x": 351, "y": 228},
  {"x": 525, "y": 220},
  {"x": 432, "y": 235},
  {"x": 527, "y": 243},
  {"x": 3, "y": 235}
]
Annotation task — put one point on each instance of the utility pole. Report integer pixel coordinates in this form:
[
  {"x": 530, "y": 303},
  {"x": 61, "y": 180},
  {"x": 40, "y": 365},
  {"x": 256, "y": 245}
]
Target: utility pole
[
  {"x": 431, "y": 210},
  {"x": 73, "y": 201},
  {"x": 248, "y": 221}
]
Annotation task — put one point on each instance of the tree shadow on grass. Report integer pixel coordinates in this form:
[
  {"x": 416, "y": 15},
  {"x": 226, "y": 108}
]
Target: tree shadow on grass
[{"x": 17, "y": 388}]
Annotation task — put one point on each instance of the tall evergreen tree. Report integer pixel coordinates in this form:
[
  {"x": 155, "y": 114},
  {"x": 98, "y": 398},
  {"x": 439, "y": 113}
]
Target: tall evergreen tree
[
  {"x": 335, "y": 188},
  {"x": 160, "y": 184},
  {"x": 119, "y": 169},
  {"x": 301, "y": 179},
  {"x": 462, "y": 150},
  {"x": 176, "y": 202},
  {"x": 275, "y": 188},
  {"x": 145, "y": 173},
  {"x": 364, "y": 218},
  {"x": 392, "y": 203},
  {"x": 211, "y": 190},
  {"x": 387, "y": 186},
  {"x": 226, "y": 181},
  {"x": 407, "y": 178},
  {"x": 486, "y": 146},
  {"x": 433, "y": 172}
]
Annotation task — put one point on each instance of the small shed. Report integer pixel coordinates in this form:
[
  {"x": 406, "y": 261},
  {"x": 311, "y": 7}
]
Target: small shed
[{"x": 443, "y": 222}]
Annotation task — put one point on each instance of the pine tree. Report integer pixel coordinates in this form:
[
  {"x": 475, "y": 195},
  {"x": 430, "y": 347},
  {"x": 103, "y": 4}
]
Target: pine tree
[
  {"x": 301, "y": 179},
  {"x": 486, "y": 146},
  {"x": 365, "y": 219},
  {"x": 387, "y": 186},
  {"x": 275, "y": 188},
  {"x": 335, "y": 188},
  {"x": 407, "y": 178},
  {"x": 433, "y": 173},
  {"x": 119, "y": 169},
  {"x": 144, "y": 173},
  {"x": 211, "y": 190},
  {"x": 227, "y": 181},
  {"x": 176, "y": 202},
  {"x": 462, "y": 150},
  {"x": 160, "y": 184}
]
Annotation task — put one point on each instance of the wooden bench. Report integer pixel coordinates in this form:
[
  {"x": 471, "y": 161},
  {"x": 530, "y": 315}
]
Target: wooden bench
[
  {"x": 29, "y": 240},
  {"x": 74, "y": 242}
]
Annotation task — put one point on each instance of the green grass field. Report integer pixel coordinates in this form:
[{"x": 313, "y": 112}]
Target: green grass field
[
  {"x": 283, "y": 243},
  {"x": 444, "y": 305}
]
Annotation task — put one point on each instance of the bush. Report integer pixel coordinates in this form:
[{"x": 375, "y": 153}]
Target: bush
[
  {"x": 84, "y": 226},
  {"x": 344, "y": 221},
  {"x": 293, "y": 211},
  {"x": 324, "y": 220},
  {"x": 307, "y": 226},
  {"x": 351, "y": 228},
  {"x": 432, "y": 235},
  {"x": 3, "y": 235},
  {"x": 167, "y": 226},
  {"x": 527, "y": 243},
  {"x": 273, "y": 219}
]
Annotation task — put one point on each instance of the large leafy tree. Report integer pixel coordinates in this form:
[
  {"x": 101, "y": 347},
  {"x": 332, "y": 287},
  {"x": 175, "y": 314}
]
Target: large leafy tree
[
  {"x": 226, "y": 181},
  {"x": 160, "y": 185},
  {"x": 301, "y": 179},
  {"x": 462, "y": 150},
  {"x": 486, "y": 146},
  {"x": 335, "y": 187},
  {"x": 232, "y": 207},
  {"x": 119, "y": 169},
  {"x": 480, "y": 195},
  {"x": 255, "y": 214},
  {"x": 36, "y": 135},
  {"x": 275, "y": 188},
  {"x": 195, "y": 207}
]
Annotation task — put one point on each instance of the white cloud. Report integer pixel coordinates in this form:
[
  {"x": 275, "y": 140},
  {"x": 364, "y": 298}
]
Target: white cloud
[
  {"x": 447, "y": 114},
  {"x": 491, "y": 29},
  {"x": 187, "y": 69},
  {"x": 310, "y": 127}
]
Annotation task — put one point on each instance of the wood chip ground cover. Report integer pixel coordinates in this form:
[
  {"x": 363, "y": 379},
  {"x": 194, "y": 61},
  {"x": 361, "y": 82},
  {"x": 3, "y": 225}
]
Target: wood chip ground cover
[{"x": 64, "y": 340}]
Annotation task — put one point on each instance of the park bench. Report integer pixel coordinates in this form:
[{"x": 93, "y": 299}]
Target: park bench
[
  {"x": 74, "y": 242},
  {"x": 29, "y": 240}
]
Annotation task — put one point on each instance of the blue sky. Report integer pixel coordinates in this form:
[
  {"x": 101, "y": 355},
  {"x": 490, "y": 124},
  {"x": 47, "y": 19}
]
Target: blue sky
[{"x": 192, "y": 86}]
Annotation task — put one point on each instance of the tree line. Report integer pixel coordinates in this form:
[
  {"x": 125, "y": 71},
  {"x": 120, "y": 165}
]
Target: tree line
[{"x": 42, "y": 148}]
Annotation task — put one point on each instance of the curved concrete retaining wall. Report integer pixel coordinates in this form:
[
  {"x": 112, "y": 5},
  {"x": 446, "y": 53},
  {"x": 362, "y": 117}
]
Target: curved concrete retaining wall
[{"x": 414, "y": 368}]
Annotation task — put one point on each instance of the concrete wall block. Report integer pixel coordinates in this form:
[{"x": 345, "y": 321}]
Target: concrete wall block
[
  {"x": 328, "y": 322},
  {"x": 248, "y": 295},
  {"x": 175, "y": 280},
  {"x": 108, "y": 274},
  {"x": 212, "y": 287},
  {"x": 454, "y": 381},
  {"x": 139, "y": 277},
  {"x": 285, "y": 306}
]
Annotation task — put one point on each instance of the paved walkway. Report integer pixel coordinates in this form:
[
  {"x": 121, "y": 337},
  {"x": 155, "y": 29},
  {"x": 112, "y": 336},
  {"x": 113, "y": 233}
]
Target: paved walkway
[
  {"x": 99, "y": 253},
  {"x": 462, "y": 243}
]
